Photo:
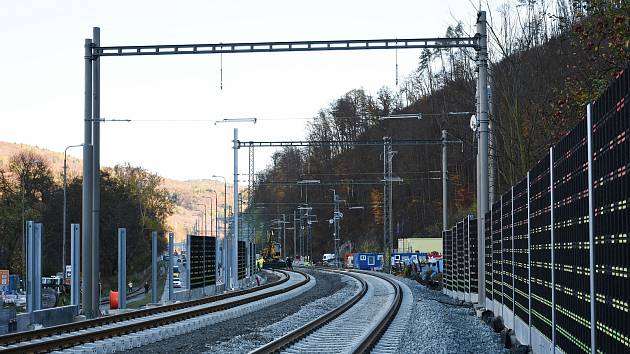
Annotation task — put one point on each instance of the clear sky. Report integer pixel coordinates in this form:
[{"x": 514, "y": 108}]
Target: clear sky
[{"x": 41, "y": 72}]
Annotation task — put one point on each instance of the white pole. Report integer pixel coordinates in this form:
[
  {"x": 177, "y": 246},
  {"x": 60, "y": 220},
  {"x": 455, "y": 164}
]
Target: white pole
[
  {"x": 234, "y": 245},
  {"x": 170, "y": 265},
  {"x": 444, "y": 183},
  {"x": 284, "y": 236},
  {"x": 30, "y": 267},
  {"x": 154, "y": 265},
  {"x": 75, "y": 250},
  {"x": 86, "y": 217},
  {"x": 37, "y": 266},
  {"x": 122, "y": 268},
  {"x": 65, "y": 200},
  {"x": 188, "y": 270},
  {"x": 482, "y": 65},
  {"x": 96, "y": 175}
]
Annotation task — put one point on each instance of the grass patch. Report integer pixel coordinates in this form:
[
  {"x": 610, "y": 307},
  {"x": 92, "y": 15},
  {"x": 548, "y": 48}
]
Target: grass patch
[{"x": 146, "y": 299}]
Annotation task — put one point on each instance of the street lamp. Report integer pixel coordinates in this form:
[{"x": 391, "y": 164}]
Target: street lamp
[
  {"x": 198, "y": 220},
  {"x": 210, "y": 213},
  {"x": 65, "y": 186},
  {"x": 224, "y": 203},
  {"x": 204, "y": 220},
  {"x": 216, "y": 213}
]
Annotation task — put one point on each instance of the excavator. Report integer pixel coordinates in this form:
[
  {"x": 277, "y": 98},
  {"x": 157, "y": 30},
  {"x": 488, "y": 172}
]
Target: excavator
[{"x": 271, "y": 253}]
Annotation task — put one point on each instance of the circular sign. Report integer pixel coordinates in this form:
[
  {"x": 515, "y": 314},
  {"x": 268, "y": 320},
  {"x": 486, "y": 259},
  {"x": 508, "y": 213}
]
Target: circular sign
[{"x": 473, "y": 123}]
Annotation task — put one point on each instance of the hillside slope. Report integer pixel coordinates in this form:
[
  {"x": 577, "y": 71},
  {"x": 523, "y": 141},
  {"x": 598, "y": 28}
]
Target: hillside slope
[{"x": 187, "y": 194}]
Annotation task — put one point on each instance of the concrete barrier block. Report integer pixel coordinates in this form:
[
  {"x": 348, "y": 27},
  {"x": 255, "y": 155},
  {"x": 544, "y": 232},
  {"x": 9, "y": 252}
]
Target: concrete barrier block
[
  {"x": 48, "y": 317},
  {"x": 103, "y": 348},
  {"x": 128, "y": 342},
  {"x": 88, "y": 348},
  {"x": 109, "y": 345},
  {"x": 135, "y": 340}
]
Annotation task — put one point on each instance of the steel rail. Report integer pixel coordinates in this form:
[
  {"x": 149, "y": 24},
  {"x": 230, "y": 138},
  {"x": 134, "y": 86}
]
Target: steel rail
[
  {"x": 63, "y": 342},
  {"x": 302, "y": 332},
  {"x": 14, "y": 338},
  {"x": 377, "y": 333},
  {"x": 299, "y": 333}
]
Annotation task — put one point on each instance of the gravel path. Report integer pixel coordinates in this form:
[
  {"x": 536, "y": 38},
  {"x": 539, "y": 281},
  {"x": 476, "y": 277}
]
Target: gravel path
[
  {"x": 435, "y": 327},
  {"x": 245, "y": 333}
]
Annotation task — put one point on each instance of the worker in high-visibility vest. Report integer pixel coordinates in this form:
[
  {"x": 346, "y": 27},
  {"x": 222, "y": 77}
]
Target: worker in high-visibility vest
[{"x": 259, "y": 263}]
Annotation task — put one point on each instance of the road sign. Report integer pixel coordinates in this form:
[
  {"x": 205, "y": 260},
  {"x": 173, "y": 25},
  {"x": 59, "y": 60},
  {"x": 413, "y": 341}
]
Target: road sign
[{"x": 4, "y": 279}]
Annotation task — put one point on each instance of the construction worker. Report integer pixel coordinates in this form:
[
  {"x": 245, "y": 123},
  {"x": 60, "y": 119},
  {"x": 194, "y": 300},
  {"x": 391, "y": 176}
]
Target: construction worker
[{"x": 289, "y": 263}]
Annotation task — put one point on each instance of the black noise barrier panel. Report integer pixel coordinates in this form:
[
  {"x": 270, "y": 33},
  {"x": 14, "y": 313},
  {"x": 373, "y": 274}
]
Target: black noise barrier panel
[{"x": 556, "y": 250}]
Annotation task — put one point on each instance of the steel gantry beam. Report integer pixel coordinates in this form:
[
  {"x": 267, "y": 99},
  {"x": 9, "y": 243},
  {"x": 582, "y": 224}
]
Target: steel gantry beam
[
  {"x": 294, "y": 46},
  {"x": 299, "y": 143},
  {"x": 91, "y": 151}
]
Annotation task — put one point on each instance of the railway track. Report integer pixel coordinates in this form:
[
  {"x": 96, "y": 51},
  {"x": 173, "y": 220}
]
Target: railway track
[
  {"x": 354, "y": 327},
  {"x": 100, "y": 329}
]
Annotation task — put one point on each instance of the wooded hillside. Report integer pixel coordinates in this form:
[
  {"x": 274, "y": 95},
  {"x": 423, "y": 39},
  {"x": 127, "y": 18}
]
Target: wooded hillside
[{"x": 547, "y": 62}]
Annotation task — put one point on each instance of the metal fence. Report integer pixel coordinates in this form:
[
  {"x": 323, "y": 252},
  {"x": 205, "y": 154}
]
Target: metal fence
[
  {"x": 556, "y": 243},
  {"x": 242, "y": 259},
  {"x": 460, "y": 260},
  {"x": 202, "y": 261}
]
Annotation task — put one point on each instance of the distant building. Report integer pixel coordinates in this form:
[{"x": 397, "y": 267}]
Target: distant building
[
  {"x": 424, "y": 244},
  {"x": 368, "y": 261}
]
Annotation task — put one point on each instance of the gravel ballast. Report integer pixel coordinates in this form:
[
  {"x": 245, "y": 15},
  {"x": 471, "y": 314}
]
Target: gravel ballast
[
  {"x": 248, "y": 332},
  {"x": 436, "y": 327},
  {"x": 310, "y": 311}
]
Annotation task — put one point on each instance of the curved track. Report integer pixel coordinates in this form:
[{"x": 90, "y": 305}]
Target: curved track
[
  {"x": 354, "y": 327},
  {"x": 72, "y": 334}
]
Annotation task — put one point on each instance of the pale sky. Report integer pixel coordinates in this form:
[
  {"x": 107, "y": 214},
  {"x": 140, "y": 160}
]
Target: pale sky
[{"x": 41, "y": 72}]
